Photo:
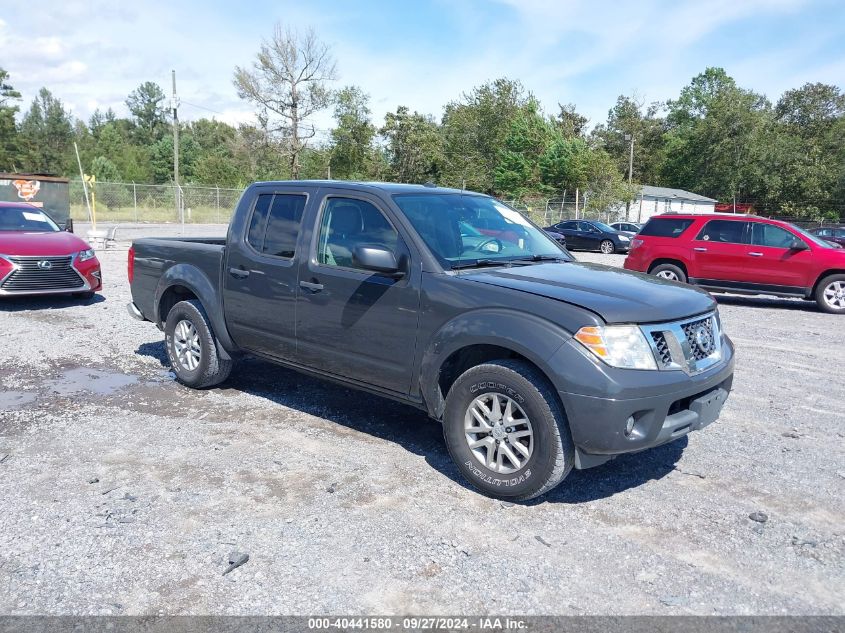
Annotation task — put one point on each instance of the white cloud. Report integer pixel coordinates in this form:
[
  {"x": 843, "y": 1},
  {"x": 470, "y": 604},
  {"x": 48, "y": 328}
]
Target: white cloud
[{"x": 92, "y": 53}]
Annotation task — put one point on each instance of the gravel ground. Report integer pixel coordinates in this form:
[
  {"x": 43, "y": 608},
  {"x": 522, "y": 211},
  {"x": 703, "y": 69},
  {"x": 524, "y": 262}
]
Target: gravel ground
[{"x": 122, "y": 492}]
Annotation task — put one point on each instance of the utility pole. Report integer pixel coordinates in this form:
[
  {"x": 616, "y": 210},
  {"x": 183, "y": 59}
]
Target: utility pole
[
  {"x": 630, "y": 137},
  {"x": 174, "y": 104}
]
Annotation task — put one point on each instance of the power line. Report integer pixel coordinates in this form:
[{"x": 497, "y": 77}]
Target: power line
[{"x": 201, "y": 107}]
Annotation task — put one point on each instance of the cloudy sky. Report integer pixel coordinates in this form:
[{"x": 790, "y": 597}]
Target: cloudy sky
[{"x": 423, "y": 53}]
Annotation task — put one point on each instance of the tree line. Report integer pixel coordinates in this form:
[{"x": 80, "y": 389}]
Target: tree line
[{"x": 716, "y": 138}]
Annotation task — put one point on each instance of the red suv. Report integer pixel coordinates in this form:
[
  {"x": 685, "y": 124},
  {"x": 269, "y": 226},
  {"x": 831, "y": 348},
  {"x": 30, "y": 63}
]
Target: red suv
[{"x": 744, "y": 254}]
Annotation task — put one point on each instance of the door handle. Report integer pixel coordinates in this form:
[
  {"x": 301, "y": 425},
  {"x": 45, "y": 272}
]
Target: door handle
[
  {"x": 239, "y": 273},
  {"x": 756, "y": 254},
  {"x": 313, "y": 287},
  {"x": 700, "y": 249}
]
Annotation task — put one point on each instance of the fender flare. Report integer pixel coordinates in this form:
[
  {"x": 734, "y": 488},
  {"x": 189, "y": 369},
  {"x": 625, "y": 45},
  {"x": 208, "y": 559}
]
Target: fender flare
[
  {"x": 528, "y": 335},
  {"x": 197, "y": 282}
]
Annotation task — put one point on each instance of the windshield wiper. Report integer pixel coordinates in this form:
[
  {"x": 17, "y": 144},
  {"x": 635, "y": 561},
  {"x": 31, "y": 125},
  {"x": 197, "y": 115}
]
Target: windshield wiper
[
  {"x": 480, "y": 263},
  {"x": 541, "y": 258}
]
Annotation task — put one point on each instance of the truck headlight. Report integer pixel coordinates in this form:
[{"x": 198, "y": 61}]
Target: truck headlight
[
  {"x": 622, "y": 346},
  {"x": 84, "y": 256}
]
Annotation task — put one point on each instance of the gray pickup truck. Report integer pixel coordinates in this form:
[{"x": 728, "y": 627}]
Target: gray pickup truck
[{"x": 452, "y": 302}]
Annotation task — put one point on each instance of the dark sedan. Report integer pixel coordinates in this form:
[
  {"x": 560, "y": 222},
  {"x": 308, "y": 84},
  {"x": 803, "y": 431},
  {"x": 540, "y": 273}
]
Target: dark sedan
[
  {"x": 834, "y": 234},
  {"x": 560, "y": 238},
  {"x": 590, "y": 235}
]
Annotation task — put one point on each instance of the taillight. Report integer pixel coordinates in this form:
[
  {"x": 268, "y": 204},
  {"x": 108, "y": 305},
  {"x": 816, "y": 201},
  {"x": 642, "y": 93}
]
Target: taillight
[
  {"x": 635, "y": 243},
  {"x": 130, "y": 264}
]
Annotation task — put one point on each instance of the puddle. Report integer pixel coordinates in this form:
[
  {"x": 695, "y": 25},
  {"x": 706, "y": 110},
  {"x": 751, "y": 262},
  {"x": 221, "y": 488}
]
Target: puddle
[
  {"x": 15, "y": 399},
  {"x": 96, "y": 381}
]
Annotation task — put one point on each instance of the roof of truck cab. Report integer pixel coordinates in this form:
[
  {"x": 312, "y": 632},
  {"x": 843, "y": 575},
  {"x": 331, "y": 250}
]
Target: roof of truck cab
[{"x": 387, "y": 187}]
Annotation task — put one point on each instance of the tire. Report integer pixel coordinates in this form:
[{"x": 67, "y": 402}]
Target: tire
[
  {"x": 670, "y": 272},
  {"x": 206, "y": 370},
  {"x": 551, "y": 453},
  {"x": 607, "y": 247},
  {"x": 85, "y": 296},
  {"x": 830, "y": 294}
]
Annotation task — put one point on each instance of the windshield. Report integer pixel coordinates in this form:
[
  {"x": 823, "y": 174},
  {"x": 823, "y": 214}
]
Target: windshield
[
  {"x": 604, "y": 227},
  {"x": 464, "y": 228},
  {"x": 815, "y": 239},
  {"x": 25, "y": 219}
]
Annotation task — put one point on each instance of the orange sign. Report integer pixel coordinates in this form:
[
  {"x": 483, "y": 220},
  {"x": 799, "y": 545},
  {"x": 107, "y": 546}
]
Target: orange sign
[{"x": 27, "y": 189}]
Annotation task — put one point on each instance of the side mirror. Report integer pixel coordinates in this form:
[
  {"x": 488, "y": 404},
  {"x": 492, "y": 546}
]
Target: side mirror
[
  {"x": 798, "y": 245},
  {"x": 69, "y": 225},
  {"x": 376, "y": 258}
]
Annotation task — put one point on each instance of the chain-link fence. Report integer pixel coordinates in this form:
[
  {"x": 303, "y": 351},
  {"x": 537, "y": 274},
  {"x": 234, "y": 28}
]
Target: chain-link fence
[
  {"x": 547, "y": 211},
  {"x": 125, "y": 202},
  {"x": 122, "y": 202}
]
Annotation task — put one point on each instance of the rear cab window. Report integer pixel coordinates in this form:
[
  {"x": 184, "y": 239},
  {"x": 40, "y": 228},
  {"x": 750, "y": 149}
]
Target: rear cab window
[{"x": 665, "y": 227}]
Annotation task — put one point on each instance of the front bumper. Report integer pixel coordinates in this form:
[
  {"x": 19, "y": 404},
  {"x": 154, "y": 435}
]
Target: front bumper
[
  {"x": 19, "y": 279},
  {"x": 664, "y": 405},
  {"x": 135, "y": 312}
]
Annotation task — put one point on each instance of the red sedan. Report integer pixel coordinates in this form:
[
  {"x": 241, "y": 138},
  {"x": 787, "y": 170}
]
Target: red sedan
[{"x": 38, "y": 258}]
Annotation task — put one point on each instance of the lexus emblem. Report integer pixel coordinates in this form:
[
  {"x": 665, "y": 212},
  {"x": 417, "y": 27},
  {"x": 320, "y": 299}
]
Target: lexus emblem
[
  {"x": 704, "y": 339},
  {"x": 45, "y": 264}
]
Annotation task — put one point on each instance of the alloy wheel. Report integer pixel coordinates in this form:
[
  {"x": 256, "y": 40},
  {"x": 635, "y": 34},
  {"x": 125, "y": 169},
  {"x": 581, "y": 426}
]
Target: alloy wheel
[
  {"x": 186, "y": 342},
  {"x": 498, "y": 433},
  {"x": 834, "y": 295}
]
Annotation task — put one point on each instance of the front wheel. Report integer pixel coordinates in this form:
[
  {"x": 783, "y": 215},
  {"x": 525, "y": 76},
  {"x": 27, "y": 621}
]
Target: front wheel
[
  {"x": 506, "y": 431},
  {"x": 192, "y": 348},
  {"x": 830, "y": 294},
  {"x": 607, "y": 247}
]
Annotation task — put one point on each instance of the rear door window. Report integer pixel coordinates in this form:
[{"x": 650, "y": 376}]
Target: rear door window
[
  {"x": 274, "y": 226},
  {"x": 258, "y": 221},
  {"x": 665, "y": 227},
  {"x": 725, "y": 232}
]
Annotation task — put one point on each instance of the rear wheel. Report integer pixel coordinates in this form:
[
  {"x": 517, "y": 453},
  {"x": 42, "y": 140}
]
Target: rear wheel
[
  {"x": 830, "y": 294},
  {"x": 670, "y": 272},
  {"x": 607, "y": 247},
  {"x": 506, "y": 431},
  {"x": 192, "y": 348}
]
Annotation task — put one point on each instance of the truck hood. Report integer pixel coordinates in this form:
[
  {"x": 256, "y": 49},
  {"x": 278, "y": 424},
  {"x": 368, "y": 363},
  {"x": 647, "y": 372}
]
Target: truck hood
[
  {"x": 617, "y": 296},
  {"x": 22, "y": 243}
]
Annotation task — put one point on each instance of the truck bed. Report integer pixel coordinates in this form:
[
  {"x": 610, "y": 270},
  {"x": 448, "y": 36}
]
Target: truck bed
[{"x": 156, "y": 257}]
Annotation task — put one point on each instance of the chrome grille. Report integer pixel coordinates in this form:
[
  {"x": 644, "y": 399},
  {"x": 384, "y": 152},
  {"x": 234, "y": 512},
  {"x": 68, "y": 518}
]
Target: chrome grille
[
  {"x": 664, "y": 355},
  {"x": 699, "y": 348},
  {"x": 691, "y": 345},
  {"x": 31, "y": 274}
]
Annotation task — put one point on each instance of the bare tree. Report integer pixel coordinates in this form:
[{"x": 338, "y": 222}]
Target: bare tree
[{"x": 288, "y": 78}]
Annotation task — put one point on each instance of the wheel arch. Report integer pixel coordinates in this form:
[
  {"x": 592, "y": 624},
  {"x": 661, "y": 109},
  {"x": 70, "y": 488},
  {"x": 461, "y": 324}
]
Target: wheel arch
[
  {"x": 668, "y": 260},
  {"x": 184, "y": 282},
  {"x": 826, "y": 273},
  {"x": 481, "y": 336}
]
